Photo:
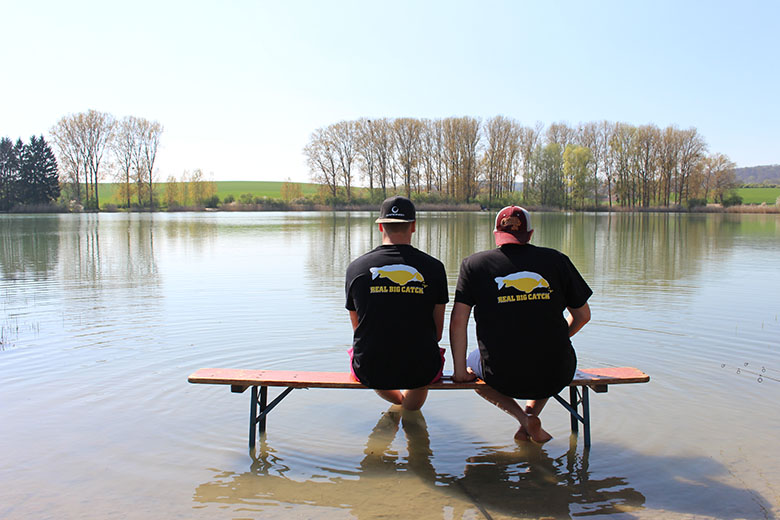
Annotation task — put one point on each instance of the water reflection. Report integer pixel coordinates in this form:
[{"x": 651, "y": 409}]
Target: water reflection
[
  {"x": 29, "y": 248},
  {"x": 521, "y": 480},
  {"x": 625, "y": 250}
]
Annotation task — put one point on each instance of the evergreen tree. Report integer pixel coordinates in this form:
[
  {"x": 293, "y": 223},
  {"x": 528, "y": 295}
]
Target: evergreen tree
[
  {"x": 38, "y": 180},
  {"x": 9, "y": 174}
]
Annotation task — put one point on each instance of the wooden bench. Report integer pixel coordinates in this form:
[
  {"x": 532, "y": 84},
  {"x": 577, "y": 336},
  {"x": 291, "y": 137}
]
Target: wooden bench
[{"x": 596, "y": 379}]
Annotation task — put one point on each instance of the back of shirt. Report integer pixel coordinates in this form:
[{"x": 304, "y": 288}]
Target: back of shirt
[
  {"x": 519, "y": 293},
  {"x": 394, "y": 289}
]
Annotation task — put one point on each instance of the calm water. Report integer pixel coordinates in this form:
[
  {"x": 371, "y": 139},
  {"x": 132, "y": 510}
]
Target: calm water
[{"x": 104, "y": 317}]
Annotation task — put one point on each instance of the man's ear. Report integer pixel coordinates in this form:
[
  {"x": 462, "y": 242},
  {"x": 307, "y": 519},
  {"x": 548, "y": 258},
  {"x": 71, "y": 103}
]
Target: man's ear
[
  {"x": 414, "y": 224},
  {"x": 381, "y": 229}
]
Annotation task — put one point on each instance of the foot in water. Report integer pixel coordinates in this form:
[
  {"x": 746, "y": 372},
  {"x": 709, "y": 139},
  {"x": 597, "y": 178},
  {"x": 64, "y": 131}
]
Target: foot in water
[
  {"x": 535, "y": 432},
  {"x": 521, "y": 435}
]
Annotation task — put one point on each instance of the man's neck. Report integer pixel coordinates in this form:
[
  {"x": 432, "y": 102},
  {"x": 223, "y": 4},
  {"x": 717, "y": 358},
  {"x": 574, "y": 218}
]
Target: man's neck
[{"x": 396, "y": 241}]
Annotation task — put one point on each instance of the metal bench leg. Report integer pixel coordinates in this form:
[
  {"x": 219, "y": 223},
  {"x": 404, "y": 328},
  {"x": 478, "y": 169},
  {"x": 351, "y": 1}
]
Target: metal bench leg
[
  {"x": 263, "y": 406},
  {"x": 252, "y": 417},
  {"x": 573, "y": 402},
  {"x": 573, "y": 407},
  {"x": 586, "y": 415},
  {"x": 257, "y": 416}
]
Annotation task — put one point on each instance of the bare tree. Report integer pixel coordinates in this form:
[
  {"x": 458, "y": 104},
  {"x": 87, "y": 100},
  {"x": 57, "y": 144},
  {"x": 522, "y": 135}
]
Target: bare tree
[
  {"x": 692, "y": 150},
  {"x": 97, "y": 133},
  {"x": 124, "y": 145},
  {"x": 669, "y": 158},
  {"x": 147, "y": 146},
  {"x": 461, "y": 146},
  {"x": 407, "y": 145},
  {"x": 561, "y": 133},
  {"x": 385, "y": 150},
  {"x": 344, "y": 138},
  {"x": 646, "y": 145},
  {"x": 500, "y": 154},
  {"x": 70, "y": 150},
  {"x": 719, "y": 176},
  {"x": 82, "y": 140},
  {"x": 366, "y": 150},
  {"x": 321, "y": 157},
  {"x": 529, "y": 140},
  {"x": 592, "y": 136},
  {"x": 620, "y": 147},
  {"x": 431, "y": 143}
]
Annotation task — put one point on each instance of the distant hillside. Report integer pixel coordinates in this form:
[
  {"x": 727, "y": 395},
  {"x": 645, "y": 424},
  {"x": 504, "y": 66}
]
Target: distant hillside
[{"x": 769, "y": 174}]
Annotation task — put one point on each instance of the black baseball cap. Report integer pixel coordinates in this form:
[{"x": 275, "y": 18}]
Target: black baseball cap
[{"x": 396, "y": 209}]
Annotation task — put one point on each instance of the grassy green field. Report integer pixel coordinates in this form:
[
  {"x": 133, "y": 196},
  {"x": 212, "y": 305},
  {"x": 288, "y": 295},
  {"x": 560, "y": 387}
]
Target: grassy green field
[
  {"x": 108, "y": 190},
  {"x": 273, "y": 190},
  {"x": 758, "y": 195},
  {"x": 268, "y": 189}
]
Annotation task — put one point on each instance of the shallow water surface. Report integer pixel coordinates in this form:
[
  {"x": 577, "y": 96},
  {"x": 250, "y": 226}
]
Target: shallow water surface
[{"x": 105, "y": 316}]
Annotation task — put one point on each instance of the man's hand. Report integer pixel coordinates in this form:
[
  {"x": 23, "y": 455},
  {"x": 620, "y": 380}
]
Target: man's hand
[{"x": 463, "y": 376}]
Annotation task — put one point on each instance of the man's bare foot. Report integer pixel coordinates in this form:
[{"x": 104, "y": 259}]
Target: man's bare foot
[
  {"x": 535, "y": 430},
  {"x": 521, "y": 435}
]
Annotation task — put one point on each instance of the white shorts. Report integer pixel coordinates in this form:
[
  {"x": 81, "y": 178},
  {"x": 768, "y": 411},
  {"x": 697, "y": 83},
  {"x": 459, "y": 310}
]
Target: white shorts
[{"x": 474, "y": 362}]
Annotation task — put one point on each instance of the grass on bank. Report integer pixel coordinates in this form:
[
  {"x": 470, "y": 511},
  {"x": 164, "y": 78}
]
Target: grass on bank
[
  {"x": 758, "y": 195},
  {"x": 107, "y": 191},
  {"x": 272, "y": 190}
]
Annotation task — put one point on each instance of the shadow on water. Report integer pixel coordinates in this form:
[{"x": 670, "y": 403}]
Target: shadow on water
[{"x": 516, "y": 481}]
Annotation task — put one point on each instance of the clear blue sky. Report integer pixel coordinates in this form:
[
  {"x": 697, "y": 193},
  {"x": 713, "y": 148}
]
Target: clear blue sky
[{"x": 240, "y": 85}]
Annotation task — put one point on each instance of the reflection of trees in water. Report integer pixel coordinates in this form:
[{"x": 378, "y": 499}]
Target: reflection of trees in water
[
  {"x": 29, "y": 252},
  {"x": 111, "y": 276},
  {"x": 342, "y": 237},
  {"x": 100, "y": 252},
  {"x": 451, "y": 237},
  {"x": 191, "y": 230},
  {"x": 632, "y": 251},
  {"x": 29, "y": 248},
  {"x": 523, "y": 481},
  {"x": 336, "y": 239},
  {"x": 639, "y": 249}
]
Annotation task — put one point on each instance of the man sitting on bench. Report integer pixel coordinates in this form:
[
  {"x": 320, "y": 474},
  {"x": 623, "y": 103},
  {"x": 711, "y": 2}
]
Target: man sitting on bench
[
  {"x": 396, "y": 296},
  {"x": 519, "y": 292}
]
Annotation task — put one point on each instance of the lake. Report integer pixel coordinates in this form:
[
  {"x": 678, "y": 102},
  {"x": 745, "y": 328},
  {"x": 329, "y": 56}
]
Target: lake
[{"x": 104, "y": 317}]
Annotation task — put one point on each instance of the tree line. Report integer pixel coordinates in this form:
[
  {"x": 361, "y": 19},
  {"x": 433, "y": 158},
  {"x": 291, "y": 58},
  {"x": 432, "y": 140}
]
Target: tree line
[
  {"x": 28, "y": 173},
  {"x": 93, "y": 144},
  {"x": 465, "y": 159}
]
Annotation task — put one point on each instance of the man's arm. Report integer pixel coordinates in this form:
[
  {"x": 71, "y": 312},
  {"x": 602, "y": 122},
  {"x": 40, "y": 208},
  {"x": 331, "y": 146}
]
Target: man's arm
[
  {"x": 353, "y": 317},
  {"x": 459, "y": 321},
  {"x": 577, "y": 318},
  {"x": 438, "y": 319}
]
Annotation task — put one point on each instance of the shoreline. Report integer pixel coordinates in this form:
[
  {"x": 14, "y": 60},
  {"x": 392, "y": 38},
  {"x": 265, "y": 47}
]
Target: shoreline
[{"x": 422, "y": 206}]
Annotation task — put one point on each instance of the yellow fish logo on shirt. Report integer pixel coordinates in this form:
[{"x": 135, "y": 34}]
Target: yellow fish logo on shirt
[
  {"x": 398, "y": 273},
  {"x": 523, "y": 281}
]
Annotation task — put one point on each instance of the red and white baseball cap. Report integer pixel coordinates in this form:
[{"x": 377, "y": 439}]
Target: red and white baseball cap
[{"x": 513, "y": 226}]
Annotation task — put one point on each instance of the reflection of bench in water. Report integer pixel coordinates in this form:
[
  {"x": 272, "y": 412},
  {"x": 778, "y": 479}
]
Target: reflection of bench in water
[{"x": 597, "y": 379}]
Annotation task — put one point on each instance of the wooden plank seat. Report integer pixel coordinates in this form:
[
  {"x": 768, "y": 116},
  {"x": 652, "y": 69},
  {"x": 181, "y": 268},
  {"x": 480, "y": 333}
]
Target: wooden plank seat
[{"x": 239, "y": 379}]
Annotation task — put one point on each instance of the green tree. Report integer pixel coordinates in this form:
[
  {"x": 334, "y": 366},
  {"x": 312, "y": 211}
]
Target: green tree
[
  {"x": 549, "y": 164},
  {"x": 577, "y": 163},
  {"x": 38, "y": 181},
  {"x": 9, "y": 173}
]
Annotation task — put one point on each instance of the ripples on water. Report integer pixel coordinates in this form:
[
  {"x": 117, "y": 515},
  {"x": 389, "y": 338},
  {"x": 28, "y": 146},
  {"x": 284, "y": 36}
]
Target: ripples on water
[{"x": 104, "y": 316}]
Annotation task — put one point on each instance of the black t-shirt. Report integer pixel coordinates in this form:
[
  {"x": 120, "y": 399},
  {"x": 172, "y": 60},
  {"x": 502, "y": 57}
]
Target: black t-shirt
[
  {"x": 519, "y": 293},
  {"x": 394, "y": 289}
]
